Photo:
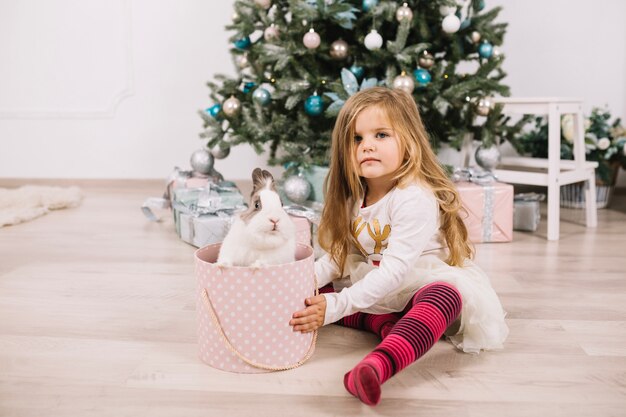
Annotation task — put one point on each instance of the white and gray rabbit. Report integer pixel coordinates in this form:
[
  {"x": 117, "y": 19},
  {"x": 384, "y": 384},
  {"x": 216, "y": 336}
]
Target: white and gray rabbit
[{"x": 262, "y": 235}]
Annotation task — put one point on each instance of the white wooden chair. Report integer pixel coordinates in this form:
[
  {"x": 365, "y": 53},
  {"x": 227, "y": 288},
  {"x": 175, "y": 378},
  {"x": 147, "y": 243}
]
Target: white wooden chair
[{"x": 552, "y": 172}]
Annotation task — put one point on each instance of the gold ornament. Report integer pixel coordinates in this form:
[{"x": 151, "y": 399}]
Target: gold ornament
[
  {"x": 483, "y": 106},
  {"x": 475, "y": 36},
  {"x": 404, "y": 12},
  {"x": 339, "y": 49},
  {"x": 426, "y": 60},
  {"x": 231, "y": 106}
]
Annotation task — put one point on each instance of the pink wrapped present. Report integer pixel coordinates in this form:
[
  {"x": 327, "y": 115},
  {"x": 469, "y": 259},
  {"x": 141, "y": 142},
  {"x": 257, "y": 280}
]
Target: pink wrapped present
[{"x": 489, "y": 209}]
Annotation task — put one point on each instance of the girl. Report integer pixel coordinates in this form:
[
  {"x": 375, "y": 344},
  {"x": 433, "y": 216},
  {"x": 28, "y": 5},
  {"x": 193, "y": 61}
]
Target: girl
[{"x": 396, "y": 244}]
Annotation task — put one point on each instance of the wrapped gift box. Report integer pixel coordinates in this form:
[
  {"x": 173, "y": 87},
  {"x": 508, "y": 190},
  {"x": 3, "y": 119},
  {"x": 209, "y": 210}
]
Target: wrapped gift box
[
  {"x": 489, "y": 209},
  {"x": 207, "y": 229},
  {"x": 526, "y": 211}
]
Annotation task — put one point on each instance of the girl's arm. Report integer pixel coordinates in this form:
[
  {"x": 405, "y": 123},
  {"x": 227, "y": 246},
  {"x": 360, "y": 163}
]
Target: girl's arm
[
  {"x": 326, "y": 270},
  {"x": 414, "y": 220}
]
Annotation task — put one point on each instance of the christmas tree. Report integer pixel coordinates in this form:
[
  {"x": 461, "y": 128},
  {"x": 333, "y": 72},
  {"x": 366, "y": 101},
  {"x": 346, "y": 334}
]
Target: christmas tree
[{"x": 298, "y": 60}]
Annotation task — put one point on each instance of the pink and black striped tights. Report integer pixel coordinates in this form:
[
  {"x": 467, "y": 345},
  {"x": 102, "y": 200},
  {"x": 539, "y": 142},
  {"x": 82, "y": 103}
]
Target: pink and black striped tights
[{"x": 406, "y": 337}]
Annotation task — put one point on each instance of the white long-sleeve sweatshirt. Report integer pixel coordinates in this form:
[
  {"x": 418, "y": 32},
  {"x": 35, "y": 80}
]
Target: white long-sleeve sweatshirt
[{"x": 392, "y": 234}]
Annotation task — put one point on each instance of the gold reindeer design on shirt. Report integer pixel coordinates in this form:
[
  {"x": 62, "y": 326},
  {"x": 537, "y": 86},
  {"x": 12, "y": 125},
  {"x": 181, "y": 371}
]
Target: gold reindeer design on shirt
[{"x": 378, "y": 236}]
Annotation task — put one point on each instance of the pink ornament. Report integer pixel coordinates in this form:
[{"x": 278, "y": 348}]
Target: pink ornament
[{"x": 311, "y": 39}]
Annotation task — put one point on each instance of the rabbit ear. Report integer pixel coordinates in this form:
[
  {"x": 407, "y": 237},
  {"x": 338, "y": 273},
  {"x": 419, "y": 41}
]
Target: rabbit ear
[{"x": 262, "y": 179}]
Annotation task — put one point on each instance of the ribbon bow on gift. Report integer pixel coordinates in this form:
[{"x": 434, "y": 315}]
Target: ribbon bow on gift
[{"x": 473, "y": 175}]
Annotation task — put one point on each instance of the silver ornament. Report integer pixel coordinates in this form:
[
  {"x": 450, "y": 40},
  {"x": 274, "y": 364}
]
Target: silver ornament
[
  {"x": 339, "y": 49},
  {"x": 426, "y": 60},
  {"x": 271, "y": 33},
  {"x": 496, "y": 52},
  {"x": 297, "y": 189},
  {"x": 475, "y": 36},
  {"x": 202, "y": 161},
  {"x": 483, "y": 107},
  {"x": 404, "y": 12},
  {"x": 404, "y": 82},
  {"x": 220, "y": 152},
  {"x": 231, "y": 106},
  {"x": 488, "y": 158}
]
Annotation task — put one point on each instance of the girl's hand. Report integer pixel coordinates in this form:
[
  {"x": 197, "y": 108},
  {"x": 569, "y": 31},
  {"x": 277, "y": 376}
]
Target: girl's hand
[{"x": 312, "y": 317}]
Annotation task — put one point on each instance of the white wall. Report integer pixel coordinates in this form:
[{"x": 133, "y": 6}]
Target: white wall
[{"x": 110, "y": 88}]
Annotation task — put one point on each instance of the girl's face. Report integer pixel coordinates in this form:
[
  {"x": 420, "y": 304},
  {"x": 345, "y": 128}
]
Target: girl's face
[{"x": 377, "y": 147}]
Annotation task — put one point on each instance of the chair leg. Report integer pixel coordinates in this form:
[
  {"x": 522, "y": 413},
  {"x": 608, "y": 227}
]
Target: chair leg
[
  {"x": 591, "y": 210},
  {"x": 554, "y": 200}
]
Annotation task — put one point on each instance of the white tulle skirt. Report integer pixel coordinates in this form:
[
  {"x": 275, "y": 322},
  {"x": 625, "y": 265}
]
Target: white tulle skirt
[{"x": 482, "y": 325}]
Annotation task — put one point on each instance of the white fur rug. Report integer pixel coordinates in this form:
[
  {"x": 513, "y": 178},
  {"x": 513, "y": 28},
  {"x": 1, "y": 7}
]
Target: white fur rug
[{"x": 19, "y": 205}]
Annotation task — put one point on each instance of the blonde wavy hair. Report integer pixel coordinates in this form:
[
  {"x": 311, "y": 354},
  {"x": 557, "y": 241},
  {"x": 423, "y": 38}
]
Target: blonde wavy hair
[{"x": 343, "y": 186}]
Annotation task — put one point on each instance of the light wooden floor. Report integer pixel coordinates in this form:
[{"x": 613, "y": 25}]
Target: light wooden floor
[{"x": 97, "y": 319}]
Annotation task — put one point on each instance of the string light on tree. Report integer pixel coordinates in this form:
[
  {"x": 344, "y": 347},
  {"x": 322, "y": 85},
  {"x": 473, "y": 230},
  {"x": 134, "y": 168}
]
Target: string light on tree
[
  {"x": 373, "y": 40},
  {"x": 311, "y": 39}
]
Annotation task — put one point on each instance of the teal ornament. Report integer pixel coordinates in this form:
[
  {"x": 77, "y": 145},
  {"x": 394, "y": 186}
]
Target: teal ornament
[
  {"x": 357, "y": 71},
  {"x": 369, "y": 5},
  {"x": 214, "y": 110},
  {"x": 481, "y": 5},
  {"x": 422, "y": 76},
  {"x": 262, "y": 96},
  {"x": 247, "y": 87},
  {"x": 485, "y": 50},
  {"x": 466, "y": 23},
  {"x": 243, "y": 43},
  {"x": 313, "y": 105}
]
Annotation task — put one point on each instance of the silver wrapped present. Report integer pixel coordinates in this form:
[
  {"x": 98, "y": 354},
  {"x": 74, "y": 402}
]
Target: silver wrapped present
[{"x": 526, "y": 211}]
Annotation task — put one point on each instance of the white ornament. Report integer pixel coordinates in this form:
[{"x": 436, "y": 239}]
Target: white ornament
[
  {"x": 373, "y": 40},
  {"x": 404, "y": 82},
  {"x": 604, "y": 143},
  {"x": 447, "y": 10},
  {"x": 496, "y": 52},
  {"x": 475, "y": 36},
  {"x": 311, "y": 39},
  {"x": 219, "y": 152},
  {"x": 451, "y": 23}
]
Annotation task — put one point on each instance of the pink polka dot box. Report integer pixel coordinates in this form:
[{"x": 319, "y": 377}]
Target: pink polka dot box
[{"x": 243, "y": 313}]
